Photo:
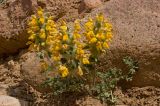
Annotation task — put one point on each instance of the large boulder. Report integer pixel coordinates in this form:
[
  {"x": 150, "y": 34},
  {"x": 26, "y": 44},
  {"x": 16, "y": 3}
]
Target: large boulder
[
  {"x": 32, "y": 72},
  {"x": 14, "y": 16},
  {"x": 136, "y": 34},
  {"x": 13, "y": 19}
]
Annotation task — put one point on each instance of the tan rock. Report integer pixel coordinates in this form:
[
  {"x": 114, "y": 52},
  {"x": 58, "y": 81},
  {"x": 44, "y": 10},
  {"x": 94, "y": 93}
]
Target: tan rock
[
  {"x": 87, "y": 5},
  {"x": 13, "y": 20},
  {"x": 3, "y": 89},
  {"x": 92, "y": 3},
  {"x": 9, "y": 101},
  {"x": 136, "y": 34},
  {"x": 32, "y": 72}
]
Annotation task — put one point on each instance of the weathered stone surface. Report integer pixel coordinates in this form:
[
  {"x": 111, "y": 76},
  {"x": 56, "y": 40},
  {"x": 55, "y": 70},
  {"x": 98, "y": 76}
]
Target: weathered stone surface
[
  {"x": 92, "y": 3},
  {"x": 13, "y": 25},
  {"x": 32, "y": 72},
  {"x": 3, "y": 89},
  {"x": 9, "y": 101},
  {"x": 137, "y": 34},
  {"x": 87, "y": 5},
  {"x": 14, "y": 16}
]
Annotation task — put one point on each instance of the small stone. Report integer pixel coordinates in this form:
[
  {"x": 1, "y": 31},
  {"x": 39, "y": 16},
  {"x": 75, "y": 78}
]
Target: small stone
[
  {"x": 32, "y": 72},
  {"x": 90, "y": 4},
  {"x": 3, "y": 89},
  {"x": 9, "y": 101}
]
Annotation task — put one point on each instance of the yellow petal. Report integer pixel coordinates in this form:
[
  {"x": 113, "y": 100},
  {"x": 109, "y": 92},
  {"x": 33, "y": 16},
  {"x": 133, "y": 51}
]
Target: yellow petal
[
  {"x": 63, "y": 28},
  {"x": 85, "y": 61},
  {"x": 65, "y": 37},
  {"x": 93, "y": 40},
  {"x": 105, "y": 45},
  {"x": 80, "y": 72}
]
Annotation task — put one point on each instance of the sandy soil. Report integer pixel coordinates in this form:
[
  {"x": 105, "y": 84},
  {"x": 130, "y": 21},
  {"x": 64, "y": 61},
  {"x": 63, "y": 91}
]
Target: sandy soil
[{"x": 11, "y": 83}]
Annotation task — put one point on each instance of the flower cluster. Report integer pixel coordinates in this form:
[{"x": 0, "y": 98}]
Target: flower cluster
[
  {"x": 41, "y": 30},
  {"x": 69, "y": 50},
  {"x": 98, "y": 33}
]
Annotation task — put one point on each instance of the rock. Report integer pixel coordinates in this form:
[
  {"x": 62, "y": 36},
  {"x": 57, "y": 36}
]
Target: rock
[
  {"x": 62, "y": 9},
  {"x": 14, "y": 17},
  {"x": 32, "y": 72},
  {"x": 90, "y": 4},
  {"x": 3, "y": 89},
  {"x": 136, "y": 34},
  {"x": 90, "y": 101},
  {"x": 9, "y": 101}
]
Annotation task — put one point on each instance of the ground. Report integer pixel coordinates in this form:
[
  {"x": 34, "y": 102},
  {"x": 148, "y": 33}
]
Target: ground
[{"x": 12, "y": 83}]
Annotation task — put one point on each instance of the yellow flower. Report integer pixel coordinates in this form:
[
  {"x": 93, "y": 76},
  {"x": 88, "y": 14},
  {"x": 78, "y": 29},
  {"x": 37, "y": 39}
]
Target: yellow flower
[
  {"x": 77, "y": 25},
  {"x": 89, "y": 35},
  {"x": 63, "y": 28},
  {"x": 100, "y": 36},
  {"x": 34, "y": 47},
  {"x": 80, "y": 51},
  {"x": 41, "y": 20},
  {"x": 93, "y": 40},
  {"x": 108, "y": 26},
  {"x": 56, "y": 58},
  {"x": 32, "y": 37},
  {"x": 99, "y": 45},
  {"x": 85, "y": 61},
  {"x": 40, "y": 12},
  {"x": 51, "y": 23},
  {"x": 76, "y": 35},
  {"x": 63, "y": 70},
  {"x": 44, "y": 65},
  {"x": 49, "y": 40},
  {"x": 89, "y": 25},
  {"x": 48, "y": 28},
  {"x": 100, "y": 17},
  {"x": 65, "y": 46},
  {"x": 65, "y": 37},
  {"x": 33, "y": 22},
  {"x": 29, "y": 43},
  {"x": 105, "y": 45},
  {"x": 57, "y": 48},
  {"x": 53, "y": 31},
  {"x": 80, "y": 72},
  {"x": 42, "y": 35},
  {"x": 109, "y": 35},
  {"x": 29, "y": 31}
]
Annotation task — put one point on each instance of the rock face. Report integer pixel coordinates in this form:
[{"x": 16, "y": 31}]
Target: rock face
[
  {"x": 136, "y": 34},
  {"x": 14, "y": 16}
]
